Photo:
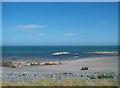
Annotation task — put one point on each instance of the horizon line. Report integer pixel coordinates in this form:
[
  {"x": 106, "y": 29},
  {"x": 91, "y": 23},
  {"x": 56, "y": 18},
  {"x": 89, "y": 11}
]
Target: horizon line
[
  {"x": 60, "y": 45},
  {"x": 60, "y": 1}
]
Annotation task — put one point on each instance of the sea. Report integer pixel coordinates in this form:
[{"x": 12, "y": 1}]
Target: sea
[{"x": 45, "y": 53}]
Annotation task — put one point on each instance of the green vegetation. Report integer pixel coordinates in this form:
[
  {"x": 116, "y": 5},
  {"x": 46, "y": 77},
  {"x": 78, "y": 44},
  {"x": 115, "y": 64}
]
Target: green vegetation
[{"x": 103, "y": 76}]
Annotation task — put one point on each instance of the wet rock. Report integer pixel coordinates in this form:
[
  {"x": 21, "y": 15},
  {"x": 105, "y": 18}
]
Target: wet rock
[{"x": 61, "y": 53}]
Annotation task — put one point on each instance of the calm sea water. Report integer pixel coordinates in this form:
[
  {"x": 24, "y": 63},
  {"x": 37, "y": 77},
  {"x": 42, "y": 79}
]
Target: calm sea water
[{"x": 43, "y": 53}]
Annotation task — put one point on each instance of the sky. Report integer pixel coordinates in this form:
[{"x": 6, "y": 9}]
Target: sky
[
  {"x": 0, "y": 26},
  {"x": 59, "y": 23}
]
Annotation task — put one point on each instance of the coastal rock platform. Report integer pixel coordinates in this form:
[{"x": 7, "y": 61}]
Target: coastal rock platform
[{"x": 21, "y": 64}]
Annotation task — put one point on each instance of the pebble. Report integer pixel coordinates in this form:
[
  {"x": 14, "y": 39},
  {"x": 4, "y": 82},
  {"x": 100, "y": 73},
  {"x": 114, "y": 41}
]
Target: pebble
[{"x": 32, "y": 76}]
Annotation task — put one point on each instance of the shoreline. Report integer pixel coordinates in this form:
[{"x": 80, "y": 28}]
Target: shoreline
[
  {"x": 90, "y": 62},
  {"x": 71, "y": 68}
]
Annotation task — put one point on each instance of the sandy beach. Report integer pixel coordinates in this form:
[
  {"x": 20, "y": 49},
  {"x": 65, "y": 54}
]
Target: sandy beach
[
  {"x": 93, "y": 64},
  {"x": 69, "y": 69}
]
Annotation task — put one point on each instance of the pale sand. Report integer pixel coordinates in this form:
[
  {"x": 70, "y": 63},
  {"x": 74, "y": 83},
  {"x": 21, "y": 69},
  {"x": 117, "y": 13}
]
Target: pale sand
[{"x": 102, "y": 64}]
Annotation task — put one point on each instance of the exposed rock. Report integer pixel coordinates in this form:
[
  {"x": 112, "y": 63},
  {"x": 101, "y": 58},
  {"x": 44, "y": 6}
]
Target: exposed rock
[
  {"x": 104, "y": 52},
  {"x": 28, "y": 64},
  {"x": 21, "y": 64},
  {"x": 35, "y": 63},
  {"x": 43, "y": 63},
  {"x": 76, "y": 57},
  {"x": 18, "y": 64},
  {"x": 6, "y": 64},
  {"x": 84, "y": 68},
  {"x": 60, "y": 53},
  {"x": 51, "y": 63}
]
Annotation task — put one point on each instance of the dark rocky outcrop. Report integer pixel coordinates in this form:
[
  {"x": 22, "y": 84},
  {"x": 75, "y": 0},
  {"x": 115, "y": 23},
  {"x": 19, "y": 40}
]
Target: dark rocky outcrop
[{"x": 84, "y": 68}]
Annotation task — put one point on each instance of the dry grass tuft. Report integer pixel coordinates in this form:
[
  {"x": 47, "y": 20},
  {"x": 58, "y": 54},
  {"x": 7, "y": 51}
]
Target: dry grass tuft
[
  {"x": 44, "y": 82},
  {"x": 65, "y": 82}
]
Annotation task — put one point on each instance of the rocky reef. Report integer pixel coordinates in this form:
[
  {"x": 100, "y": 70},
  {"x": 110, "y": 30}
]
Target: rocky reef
[
  {"x": 104, "y": 52},
  {"x": 60, "y": 53},
  {"x": 33, "y": 63}
]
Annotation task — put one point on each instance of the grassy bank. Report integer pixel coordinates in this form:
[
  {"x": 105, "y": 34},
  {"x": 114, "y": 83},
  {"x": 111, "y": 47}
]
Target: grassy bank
[{"x": 65, "y": 82}]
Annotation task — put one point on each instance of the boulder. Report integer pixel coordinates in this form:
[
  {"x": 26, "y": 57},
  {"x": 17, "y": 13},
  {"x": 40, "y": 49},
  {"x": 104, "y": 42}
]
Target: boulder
[
  {"x": 6, "y": 64},
  {"x": 15, "y": 64},
  {"x": 18, "y": 64},
  {"x": 84, "y": 68},
  {"x": 51, "y": 63},
  {"x": 28, "y": 64},
  {"x": 21, "y": 64},
  {"x": 34, "y": 63}
]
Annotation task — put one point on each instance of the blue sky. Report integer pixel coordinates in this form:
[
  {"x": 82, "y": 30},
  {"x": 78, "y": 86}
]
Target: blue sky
[{"x": 62, "y": 23}]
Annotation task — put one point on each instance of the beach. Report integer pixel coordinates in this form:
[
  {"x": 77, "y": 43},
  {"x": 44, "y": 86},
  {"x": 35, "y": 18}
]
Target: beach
[
  {"x": 59, "y": 44},
  {"x": 69, "y": 68}
]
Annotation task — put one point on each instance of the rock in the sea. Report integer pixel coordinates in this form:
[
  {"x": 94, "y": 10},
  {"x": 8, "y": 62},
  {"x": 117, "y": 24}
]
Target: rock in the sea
[
  {"x": 60, "y": 53},
  {"x": 104, "y": 52},
  {"x": 84, "y": 68},
  {"x": 76, "y": 57}
]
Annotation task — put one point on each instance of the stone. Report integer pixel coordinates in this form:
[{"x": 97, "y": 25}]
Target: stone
[
  {"x": 51, "y": 63},
  {"x": 34, "y": 63},
  {"x": 60, "y": 53},
  {"x": 84, "y": 68},
  {"x": 28, "y": 64},
  {"x": 21, "y": 64}
]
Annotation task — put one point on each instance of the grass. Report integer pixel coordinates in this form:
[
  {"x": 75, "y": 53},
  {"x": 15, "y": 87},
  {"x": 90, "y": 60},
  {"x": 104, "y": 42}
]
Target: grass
[
  {"x": 65, "y": 82},
  {"x": 102, "y": 76},
  {"x": 44, "y": 82}
]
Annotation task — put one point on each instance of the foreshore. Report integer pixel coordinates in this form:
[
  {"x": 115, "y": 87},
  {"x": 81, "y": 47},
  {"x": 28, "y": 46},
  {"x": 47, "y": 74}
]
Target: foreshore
[{"x": 69, "y": 69}]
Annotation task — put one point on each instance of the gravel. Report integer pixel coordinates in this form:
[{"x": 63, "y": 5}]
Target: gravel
[{"x": 33, "y": 76}]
